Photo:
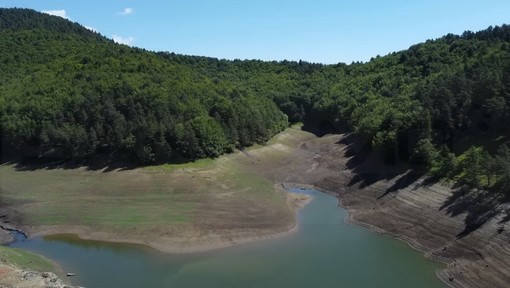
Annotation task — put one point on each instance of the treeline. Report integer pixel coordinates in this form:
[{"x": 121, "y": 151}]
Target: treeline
[{"x": 69, "y": 93}]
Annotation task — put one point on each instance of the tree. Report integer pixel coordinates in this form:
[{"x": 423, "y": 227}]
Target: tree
[
  {"x": 472, "y": 164},
  {"x": 502, "y": 162}
]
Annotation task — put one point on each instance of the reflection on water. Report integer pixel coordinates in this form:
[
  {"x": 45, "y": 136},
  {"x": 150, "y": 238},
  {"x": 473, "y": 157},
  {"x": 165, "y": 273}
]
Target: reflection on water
[
  {"x": 324, "y": 252},
  {"x": 74, "y": 240}
]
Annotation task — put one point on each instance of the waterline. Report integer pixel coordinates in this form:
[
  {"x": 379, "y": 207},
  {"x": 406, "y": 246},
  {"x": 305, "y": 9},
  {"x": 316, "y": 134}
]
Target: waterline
[{"x": 325, "y": 251}]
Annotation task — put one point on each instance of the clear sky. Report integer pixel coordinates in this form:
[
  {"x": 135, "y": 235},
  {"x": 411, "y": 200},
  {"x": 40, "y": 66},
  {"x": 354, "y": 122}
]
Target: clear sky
[{"x": 325, "y": 31}]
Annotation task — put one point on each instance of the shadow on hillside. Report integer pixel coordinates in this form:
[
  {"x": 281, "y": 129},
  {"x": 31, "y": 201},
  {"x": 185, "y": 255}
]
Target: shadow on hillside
[
  {"x": 429, "y": 181},
  {"x": 100, "y": 162},
  {"x": 506, "y": 218},
  {"x": 506, "y": 210},
  {"x": 367, "y": 168},
  {"x": 322, "y": 127},
  {"x": 104, "y": 165},
  {"x": 409, "y": 178},
  {"x": 366, "y": 165},
  {"x": 478, "y": 206}
]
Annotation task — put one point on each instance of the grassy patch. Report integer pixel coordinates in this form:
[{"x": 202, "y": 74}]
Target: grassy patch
[
  {"x": 159, "y": 198},
  {"x": 117, "y": 199},
  {"x": 169, "y": 167},
  {"x": 26, "y": 260}
]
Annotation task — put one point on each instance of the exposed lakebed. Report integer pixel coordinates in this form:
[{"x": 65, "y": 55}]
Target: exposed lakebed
[{"x": 324, "y": 252}]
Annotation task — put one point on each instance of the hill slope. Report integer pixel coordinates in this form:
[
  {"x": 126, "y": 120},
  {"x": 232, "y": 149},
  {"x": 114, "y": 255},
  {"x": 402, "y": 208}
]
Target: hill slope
[{"x": 69, "y": 93}]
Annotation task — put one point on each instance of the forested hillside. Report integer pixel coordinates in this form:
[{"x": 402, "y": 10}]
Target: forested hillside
[{"x": 68, "y": 93}]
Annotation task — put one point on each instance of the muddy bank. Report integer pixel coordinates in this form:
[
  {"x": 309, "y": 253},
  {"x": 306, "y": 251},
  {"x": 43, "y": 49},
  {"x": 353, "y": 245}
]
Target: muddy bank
[
  {"x": 5, "y": 237},
  {"x": 450, "y": 225}
]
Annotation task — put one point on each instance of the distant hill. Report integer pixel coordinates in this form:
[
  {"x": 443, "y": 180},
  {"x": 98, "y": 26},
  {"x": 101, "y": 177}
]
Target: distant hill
[{"x": 69, "y": 93}]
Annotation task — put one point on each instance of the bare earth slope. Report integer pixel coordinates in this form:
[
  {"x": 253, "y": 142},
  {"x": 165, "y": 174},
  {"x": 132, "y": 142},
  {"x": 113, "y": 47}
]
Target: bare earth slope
[{"x": 470, "y": 235}]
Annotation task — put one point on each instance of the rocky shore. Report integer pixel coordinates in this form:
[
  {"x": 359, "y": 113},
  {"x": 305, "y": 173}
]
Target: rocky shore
[
  {"x": 467, "y": 230},
  {"x": 421, "y": 216},
  {"x": 14, "y": 277}
]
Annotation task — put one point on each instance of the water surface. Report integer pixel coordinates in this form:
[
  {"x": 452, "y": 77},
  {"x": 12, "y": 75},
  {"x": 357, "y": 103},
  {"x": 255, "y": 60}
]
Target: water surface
[{"x": 324, "y": 252}]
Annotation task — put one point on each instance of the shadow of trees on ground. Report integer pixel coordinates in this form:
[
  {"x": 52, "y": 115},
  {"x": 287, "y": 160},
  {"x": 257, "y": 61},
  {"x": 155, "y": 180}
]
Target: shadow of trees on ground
[
  {"x": 506, "y": 218},
  {"x": 478, "y": 206},
  {"x": 367, "y": 166},
  {"x": 104, "y": 164},
  {"x": 409, "y": 178},
  {"x": 359, "y": 153},
  {"x": 100, "y": 162}
]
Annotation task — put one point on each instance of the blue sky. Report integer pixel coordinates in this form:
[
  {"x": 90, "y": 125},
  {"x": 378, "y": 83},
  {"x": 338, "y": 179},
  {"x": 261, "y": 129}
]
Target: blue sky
[{"x": 325, "y": 31}]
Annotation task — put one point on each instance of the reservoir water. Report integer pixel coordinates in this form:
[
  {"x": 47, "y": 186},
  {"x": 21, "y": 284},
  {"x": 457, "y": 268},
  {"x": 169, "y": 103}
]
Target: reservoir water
[{"x": 324, "y": 252}]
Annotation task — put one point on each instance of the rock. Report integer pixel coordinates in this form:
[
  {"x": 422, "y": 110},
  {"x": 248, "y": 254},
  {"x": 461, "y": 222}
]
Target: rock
[{"x": 29, "y": 275}]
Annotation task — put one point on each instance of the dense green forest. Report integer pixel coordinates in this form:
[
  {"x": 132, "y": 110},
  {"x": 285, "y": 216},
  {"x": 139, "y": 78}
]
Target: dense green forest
[{"x": 68, "y": 93}]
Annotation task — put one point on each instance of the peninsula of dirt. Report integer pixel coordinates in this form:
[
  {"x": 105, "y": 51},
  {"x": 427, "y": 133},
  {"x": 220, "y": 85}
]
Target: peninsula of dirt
[{"x": 174, "y": 208}]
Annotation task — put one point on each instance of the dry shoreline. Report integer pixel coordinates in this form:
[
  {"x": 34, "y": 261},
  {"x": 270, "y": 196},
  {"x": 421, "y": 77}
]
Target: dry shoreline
[
  {"x": 177, "y": 245},
  {"x": 191, "y": 244},
  {"x": 480, "y": 259},
  {"x": 447, "y": 224},
  {"x": 385, "y": 199}
]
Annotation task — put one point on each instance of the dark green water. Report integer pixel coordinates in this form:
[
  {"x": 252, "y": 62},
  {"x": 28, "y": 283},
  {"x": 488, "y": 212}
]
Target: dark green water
[{"x": 325, "y": 252}]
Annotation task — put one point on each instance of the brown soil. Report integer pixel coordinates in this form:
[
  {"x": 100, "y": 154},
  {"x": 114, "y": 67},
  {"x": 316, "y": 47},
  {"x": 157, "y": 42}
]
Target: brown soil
[
  {"x": 449, "y": 225},
  {"x": 5, "y": 237},
  {"x": 460, "y": 228}
]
